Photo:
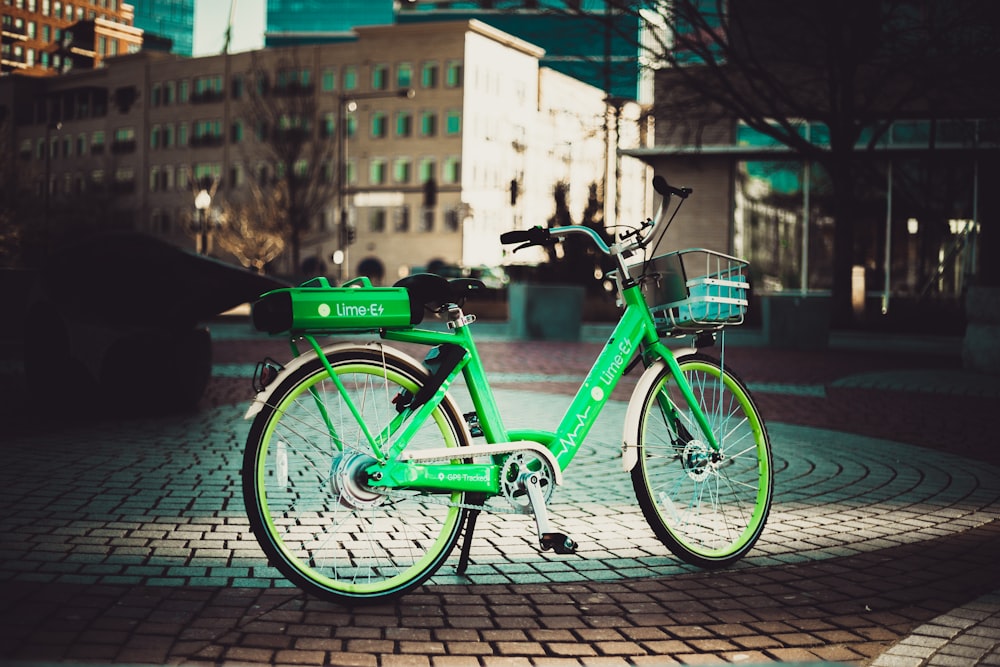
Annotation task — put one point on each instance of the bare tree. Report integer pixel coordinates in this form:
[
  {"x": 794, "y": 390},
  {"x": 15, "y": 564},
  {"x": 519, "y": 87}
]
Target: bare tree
[
  {"x": 854, "y": 66},
  {"x": 254, "y": 231},
  {"x": 293, "y": 154}
]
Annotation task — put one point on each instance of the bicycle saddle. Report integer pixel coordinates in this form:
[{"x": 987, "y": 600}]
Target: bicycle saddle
[{"x": 431, "y": 291}]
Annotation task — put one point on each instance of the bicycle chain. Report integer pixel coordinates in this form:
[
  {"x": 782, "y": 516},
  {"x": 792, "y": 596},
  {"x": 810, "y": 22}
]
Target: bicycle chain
[{"x": 438, "y": 498}]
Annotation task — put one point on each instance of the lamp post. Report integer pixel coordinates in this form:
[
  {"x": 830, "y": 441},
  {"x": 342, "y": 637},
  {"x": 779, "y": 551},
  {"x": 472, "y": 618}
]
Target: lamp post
[
  {"x": 202, "y": 202},
  {"x": 348, "y": 103}
]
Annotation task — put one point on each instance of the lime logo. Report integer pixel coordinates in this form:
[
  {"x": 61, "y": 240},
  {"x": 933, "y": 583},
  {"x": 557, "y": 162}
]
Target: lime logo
[
  {"x": 597, "y": 393},
  {"x": 324, "y": 310}
]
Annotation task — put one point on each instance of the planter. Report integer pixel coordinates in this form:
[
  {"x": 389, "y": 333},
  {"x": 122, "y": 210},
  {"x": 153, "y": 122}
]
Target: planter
[
  {"x": 981, "y": 345},
  {"x": 796, "y": 321},
  {"x": 545, "y": 312}
]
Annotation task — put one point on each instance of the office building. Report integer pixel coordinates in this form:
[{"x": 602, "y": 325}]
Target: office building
[
  {"x": 171, "y": 20},
  {"x": 48, "y": 37},
  {"x": 428, "y": 177},
  {"x": 598, "y": 46}
]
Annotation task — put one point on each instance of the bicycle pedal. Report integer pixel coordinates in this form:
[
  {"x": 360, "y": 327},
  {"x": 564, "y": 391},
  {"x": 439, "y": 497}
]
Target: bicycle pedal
[
  {"x": 559, "y": 543},
  {"x": 475, "y": 429}
]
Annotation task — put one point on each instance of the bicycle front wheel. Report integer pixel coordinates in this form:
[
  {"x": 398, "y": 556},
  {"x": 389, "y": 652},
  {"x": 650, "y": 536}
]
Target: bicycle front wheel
[
  {"x": 305, "y": 487},
  {"x": 708, "y": 507}
]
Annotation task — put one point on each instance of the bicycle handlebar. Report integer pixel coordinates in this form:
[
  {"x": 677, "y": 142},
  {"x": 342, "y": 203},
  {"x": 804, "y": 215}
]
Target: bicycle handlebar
[{"x": 543, "y": 236}]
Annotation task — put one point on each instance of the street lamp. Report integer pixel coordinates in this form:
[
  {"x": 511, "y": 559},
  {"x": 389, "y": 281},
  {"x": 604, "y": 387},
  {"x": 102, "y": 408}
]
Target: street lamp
[
  {"x": 348, "y": 103},
  {"x": 202, "y": 202}
]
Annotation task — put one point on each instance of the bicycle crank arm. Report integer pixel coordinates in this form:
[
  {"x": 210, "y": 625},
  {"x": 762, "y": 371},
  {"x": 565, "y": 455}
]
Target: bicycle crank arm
[{"x": 558, "y": 542}]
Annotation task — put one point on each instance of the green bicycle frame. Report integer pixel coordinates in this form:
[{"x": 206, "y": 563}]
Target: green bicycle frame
[{"x": 634, "y": 332}]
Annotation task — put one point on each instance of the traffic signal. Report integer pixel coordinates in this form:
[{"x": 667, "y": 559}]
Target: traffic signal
[{"x": 347, "y": 235}]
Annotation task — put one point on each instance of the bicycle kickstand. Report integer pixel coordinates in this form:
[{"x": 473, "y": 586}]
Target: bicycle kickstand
[{"x": 558, "y": 542}]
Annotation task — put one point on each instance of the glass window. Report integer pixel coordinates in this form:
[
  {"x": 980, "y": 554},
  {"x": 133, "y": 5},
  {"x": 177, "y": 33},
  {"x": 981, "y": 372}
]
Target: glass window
[
  {"x": 453, "y": 74},
  {"x": 402, "y": 219},
  {"x": 350, "y": 77},
  {"x": 380, "y": 123},
  {"x": 404, "y": 75},
  {"x": 376, "y": 220},
  {"x": 428, "y": 123},
  {"x": 376, "y": 173},
  {"x": 427, "y": 220},
  {"x": 429, "y": 75},
  {"x": 380, "y": 77},
  {"x": 402, "y": 170},
  {"x": 404, "y": 124},
  {"x": 452, "y": 170},
  {"x": 329, "y": 80},
  {"x": 428, "y": 169},
  {"x": 453, "y": 123}
]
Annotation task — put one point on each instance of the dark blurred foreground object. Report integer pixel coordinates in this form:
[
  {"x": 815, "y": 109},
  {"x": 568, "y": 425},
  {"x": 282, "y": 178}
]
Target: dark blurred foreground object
[{"x": 112, "y": 324}]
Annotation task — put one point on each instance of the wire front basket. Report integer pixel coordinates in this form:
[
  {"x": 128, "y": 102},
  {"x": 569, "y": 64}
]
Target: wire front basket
[{"x": 694, "y": 290}]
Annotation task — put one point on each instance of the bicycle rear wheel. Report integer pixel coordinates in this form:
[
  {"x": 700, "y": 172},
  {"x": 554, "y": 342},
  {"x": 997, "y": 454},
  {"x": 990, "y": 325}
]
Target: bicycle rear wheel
[
  {"x": 306, "y": 493},
  {"x": 708, "y": 508}
]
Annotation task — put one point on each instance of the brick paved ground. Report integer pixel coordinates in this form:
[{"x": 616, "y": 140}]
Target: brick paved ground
[{"x": 124, "y": 542}]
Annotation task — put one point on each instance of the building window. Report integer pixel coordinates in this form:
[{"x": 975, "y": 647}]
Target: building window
[
  {"x": 404, "y": 124},
  {"x": 428, "y": 123},
  {"x": 402, "y": 170},
  {"x": 453, "y": 123},
  {"x": 380, "y": 77},
  {"x": 329, "y": 81},
  {"x": 404, "y": 75},
  {"x": 453, "y": 74},
  {"x": 428, "y": 169},
  {"x": 376, "y": 171},
  {"x": 328, "y": 124},
  {"x": 350, "y": 77},
  {"x": 452, "y": 171},
  {"x": 426, "y": 220},
  {"x": 429, "y": 75},
  {"x": 376, "y": 220},
  {"x": 97, "y": 143},
  {"x": 155, "y": 136},
  {"x": 380, "y": 124},
  {"x": 451, "y": 220},
  {"x": 402, "y": 219}
]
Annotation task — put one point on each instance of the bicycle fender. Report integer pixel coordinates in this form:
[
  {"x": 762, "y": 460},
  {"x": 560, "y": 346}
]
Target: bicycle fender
[
  {"x": 261, "y": 399},
  {"x": 633, "y": 416}
]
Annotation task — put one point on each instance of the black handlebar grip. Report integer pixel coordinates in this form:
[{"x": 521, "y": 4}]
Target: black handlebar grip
[
  {"x": 515, "y": 236},
  {"x": 537, "y": 235}
]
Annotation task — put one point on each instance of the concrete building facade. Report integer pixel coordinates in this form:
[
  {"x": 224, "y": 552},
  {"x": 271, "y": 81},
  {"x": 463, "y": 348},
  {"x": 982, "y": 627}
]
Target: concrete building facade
[{"x": 149, "y": 130}]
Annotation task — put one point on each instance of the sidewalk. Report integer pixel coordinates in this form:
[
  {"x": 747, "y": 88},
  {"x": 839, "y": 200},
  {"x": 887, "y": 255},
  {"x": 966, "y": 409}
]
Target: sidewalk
[{"x": 126, "y": 541}]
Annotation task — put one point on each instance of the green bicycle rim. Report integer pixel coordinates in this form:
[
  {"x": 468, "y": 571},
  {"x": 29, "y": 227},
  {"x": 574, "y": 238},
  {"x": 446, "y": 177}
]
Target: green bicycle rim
[
  {"x": 387, "y": 586},
  {"x": 761, "y": 506}
]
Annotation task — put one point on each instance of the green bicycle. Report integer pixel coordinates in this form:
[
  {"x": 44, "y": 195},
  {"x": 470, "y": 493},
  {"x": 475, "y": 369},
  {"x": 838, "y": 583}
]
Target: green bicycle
[{"x": 361, "y": 473}]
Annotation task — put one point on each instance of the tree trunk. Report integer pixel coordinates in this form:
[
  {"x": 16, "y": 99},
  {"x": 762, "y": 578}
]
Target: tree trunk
[
  {"x": 989, "y": 219},
  {"x": 842, "y": 183}
]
